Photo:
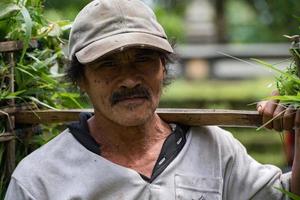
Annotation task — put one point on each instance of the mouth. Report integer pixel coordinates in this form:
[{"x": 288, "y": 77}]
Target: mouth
[{"x": 131, "y": 100}]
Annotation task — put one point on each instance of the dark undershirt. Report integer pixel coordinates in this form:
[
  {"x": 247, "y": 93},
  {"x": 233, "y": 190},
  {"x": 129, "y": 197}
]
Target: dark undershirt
[{"x": 170, "y": 149}]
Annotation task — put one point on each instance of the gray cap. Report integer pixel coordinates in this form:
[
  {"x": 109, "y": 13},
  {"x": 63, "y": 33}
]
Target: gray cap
[{"x": 104, "y": 26}]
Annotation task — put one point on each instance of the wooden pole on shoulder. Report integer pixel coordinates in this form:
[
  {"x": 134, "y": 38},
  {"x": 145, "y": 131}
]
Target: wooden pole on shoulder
[{"x": 192, "y": 117}]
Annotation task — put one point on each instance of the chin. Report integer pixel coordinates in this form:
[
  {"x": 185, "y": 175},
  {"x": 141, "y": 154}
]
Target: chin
[{"x": 136, "y": 117}]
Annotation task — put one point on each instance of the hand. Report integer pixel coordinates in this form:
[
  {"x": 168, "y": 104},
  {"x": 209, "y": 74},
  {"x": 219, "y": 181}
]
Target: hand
[{"x": 277, "y": 116}]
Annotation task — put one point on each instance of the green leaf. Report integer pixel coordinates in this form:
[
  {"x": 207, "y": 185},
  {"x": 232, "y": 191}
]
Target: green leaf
[
  {"x": 65, "y": 24},
  {"x": 70, "y": 96},
  {"x": 28, "y": 29},
  {"x": 5, "y": 95},
  {"x": 7, "y": 10},
  {"x": 25, "y": 72},
  {"x": 289, "y": 194},
  {"x": 30, "y": 55},
  {"x": 41, "y": 103},
  {"x": 285, "y": 98},
  {"x": 291, "y": 76},
  {"x": 55, "y": 30}
]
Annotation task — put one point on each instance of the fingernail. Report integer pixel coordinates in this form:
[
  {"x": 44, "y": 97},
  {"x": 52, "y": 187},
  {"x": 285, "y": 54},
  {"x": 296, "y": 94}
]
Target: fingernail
[{"x": 259, "y": 108}]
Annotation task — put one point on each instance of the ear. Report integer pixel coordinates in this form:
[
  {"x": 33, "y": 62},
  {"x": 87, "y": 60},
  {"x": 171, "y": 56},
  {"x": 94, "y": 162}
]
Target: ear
[
  {"x": 163, "y": 62},
  {"x": 165, "y": 70},
  {"x": 82, "y": 85}
]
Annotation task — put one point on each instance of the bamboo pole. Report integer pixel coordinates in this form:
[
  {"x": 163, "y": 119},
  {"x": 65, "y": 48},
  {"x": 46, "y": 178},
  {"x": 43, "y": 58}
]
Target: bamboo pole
[
  {"x": 10, "y": 46},
  {"x": 5, "y": 137},
  {"x": 7, "y": 110},
  {"x": 11, "y": 144},
  {"x": 192, "y": 117}
]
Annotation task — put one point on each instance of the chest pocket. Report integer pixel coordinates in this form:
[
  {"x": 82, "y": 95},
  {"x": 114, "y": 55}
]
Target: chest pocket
[{"x": 197, "y": 188}]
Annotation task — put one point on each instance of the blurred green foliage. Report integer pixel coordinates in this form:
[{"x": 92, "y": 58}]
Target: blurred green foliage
[
  {"x": 169, "y": 13},
  {"x": 38, "y": 72},
  {"x": 247, "y": 20},
  {"x": 262, "y": 20},
  {"x": 172, "y": 23},
  {"x": 209, "y": 90},
  {"x": 288, "y": 80},
  {"x": 68, "y": 9},
  {"x": 177, "y": 6}
]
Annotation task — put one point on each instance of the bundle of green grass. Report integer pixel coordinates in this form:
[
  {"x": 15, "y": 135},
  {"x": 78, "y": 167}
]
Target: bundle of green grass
[{"x": 288, "y": 80}]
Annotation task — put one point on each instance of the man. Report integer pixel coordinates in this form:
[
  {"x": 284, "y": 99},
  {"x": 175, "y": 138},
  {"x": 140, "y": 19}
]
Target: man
[{"x": 125, "y": 150}]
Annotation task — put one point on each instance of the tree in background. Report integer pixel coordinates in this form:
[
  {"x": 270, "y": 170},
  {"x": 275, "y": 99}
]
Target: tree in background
[
  {"x": 57, "y": 10},
  {"x": 278, "y": 14},
  {"x": 262, "y": 20},
  {"x": 170, "y": 13},
  {"x": 238, "y": 21}
]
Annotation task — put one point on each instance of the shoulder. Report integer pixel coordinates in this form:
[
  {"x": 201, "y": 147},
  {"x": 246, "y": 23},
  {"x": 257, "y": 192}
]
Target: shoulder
[
  {"x": 214, "y": 133},
  {"x": 37, "y": 170},
  {"x": 215, "y": 137},
  {"x": 60, "y": 161},
  {"x": 43, "y": 157}
]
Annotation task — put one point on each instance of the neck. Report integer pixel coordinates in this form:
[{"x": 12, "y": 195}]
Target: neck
[{"x": 129, "y": 141}]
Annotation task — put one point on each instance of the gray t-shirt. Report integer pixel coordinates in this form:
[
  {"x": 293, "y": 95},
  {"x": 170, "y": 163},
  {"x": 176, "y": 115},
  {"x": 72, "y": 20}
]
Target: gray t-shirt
[{"x": 211, "y": 165}]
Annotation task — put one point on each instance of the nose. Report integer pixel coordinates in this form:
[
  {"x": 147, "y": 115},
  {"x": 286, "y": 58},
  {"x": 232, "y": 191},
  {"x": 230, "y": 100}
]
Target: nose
[
  {"x": 130, "y": 77},
  {"x": 130, "y": 82}
]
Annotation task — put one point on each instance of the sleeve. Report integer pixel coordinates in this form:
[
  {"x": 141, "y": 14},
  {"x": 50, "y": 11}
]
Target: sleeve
[
  {"x": 248, "y": 179},
  {"x": 16, "y": 191}
]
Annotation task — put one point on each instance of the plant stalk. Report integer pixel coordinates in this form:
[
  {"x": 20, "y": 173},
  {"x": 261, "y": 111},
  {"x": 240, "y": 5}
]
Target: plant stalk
[
  {"x": 295, "y": 51},
  {"x": 11, "y": 145}
]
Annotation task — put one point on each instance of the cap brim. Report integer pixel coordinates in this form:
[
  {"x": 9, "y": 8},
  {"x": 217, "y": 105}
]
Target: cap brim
[{"x": 113, "y": 43}]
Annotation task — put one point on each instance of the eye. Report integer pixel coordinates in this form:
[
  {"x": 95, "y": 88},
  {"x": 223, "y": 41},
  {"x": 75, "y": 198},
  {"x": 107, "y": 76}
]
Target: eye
[
  {"x": 145, "y": 58},
  {"x": 106, "y": 64}
]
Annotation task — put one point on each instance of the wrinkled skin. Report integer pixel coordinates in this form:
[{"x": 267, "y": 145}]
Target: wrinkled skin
[
  {"x": 123, "y": 71},
  {"x": 125, "y": 89}
]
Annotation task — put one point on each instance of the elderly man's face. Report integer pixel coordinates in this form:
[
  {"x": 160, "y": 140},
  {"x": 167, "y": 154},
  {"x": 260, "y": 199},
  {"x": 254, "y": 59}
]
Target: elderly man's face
[{"x": 125, "y": 87}]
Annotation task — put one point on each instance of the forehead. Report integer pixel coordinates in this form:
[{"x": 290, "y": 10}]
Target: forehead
[{"x": 130, "y": 52}]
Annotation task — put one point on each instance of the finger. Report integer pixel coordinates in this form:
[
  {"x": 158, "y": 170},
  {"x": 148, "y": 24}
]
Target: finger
[
  {"x": 289, "y": 118},
  {"x": 260, "y": 106},
  {"x": 297, "y": 120},
  {"x": 297, "y": 133},
  {"x": 268, "y": 113},
  {"x": 296, "y": 166},
  {"x": 278, "y": 117}
]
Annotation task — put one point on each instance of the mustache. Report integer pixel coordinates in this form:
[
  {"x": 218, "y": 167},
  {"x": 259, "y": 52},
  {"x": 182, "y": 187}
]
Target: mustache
[{"x": 127, "y": 93}]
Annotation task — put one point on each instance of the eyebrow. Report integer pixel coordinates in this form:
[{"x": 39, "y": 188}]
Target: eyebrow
[
  {"x": 138, "y": 52},
  {"x": 109, "y": 57},
  {"x": 146, "y": 52}
]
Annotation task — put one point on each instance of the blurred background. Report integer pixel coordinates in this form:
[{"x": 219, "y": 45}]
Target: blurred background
[{"x": 215, "y": 41}]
